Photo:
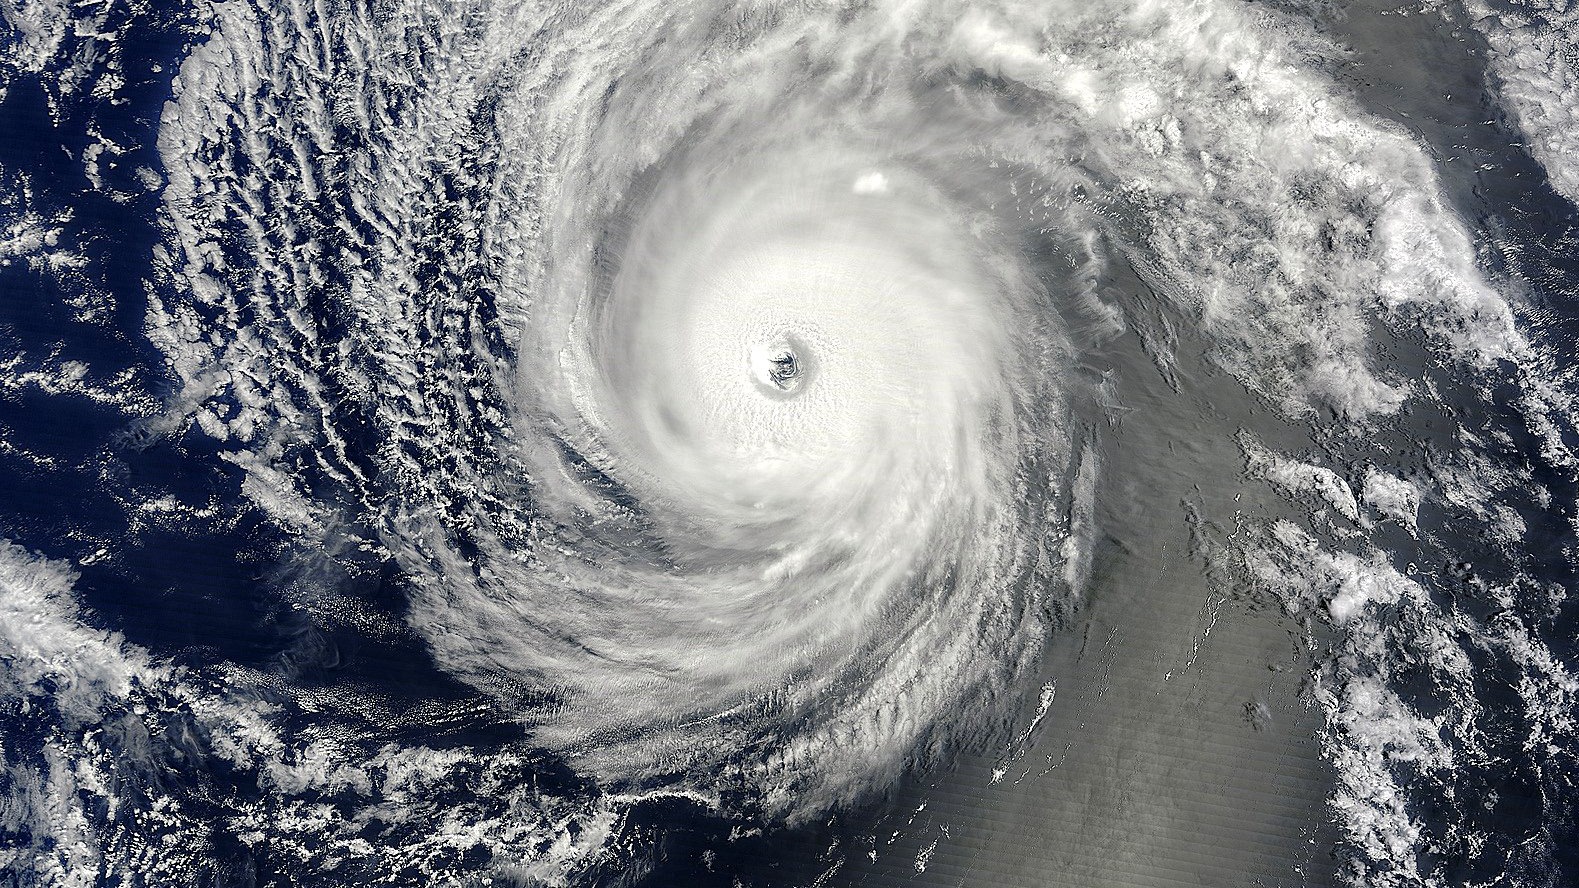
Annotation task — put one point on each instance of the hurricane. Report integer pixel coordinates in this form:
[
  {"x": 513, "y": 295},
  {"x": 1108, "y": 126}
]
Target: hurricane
[{"x": 480, "y": 442}]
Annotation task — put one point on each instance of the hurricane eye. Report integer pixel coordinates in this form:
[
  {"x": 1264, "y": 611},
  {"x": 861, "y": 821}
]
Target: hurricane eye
[
  {"x": 781, "y": 366},
  {"x": 785, "y": 369}
]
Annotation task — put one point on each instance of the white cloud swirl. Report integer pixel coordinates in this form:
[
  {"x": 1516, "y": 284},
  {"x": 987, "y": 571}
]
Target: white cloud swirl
[{"x": 709, "y": 369}]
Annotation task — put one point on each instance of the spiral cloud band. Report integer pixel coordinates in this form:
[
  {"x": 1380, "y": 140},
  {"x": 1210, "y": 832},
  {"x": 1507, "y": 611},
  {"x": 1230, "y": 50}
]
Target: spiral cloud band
[
  {"x": 820, "y": 473},
  {"x": 774, "y": 402},
  {"x": 726, "y": 382}
]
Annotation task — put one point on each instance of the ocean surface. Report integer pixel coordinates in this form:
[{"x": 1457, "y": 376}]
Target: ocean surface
[{"x": 478, "y": 442}]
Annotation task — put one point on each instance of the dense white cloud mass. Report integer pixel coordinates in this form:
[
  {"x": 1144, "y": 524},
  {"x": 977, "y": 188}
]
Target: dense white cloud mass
[
  {"x": 1532, "y": 62},
  {"x": 733, "y": 389}
]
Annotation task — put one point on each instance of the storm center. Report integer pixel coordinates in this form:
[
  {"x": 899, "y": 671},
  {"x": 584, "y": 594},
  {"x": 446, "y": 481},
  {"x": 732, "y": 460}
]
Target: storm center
[{"x": 780, "y": 367}]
